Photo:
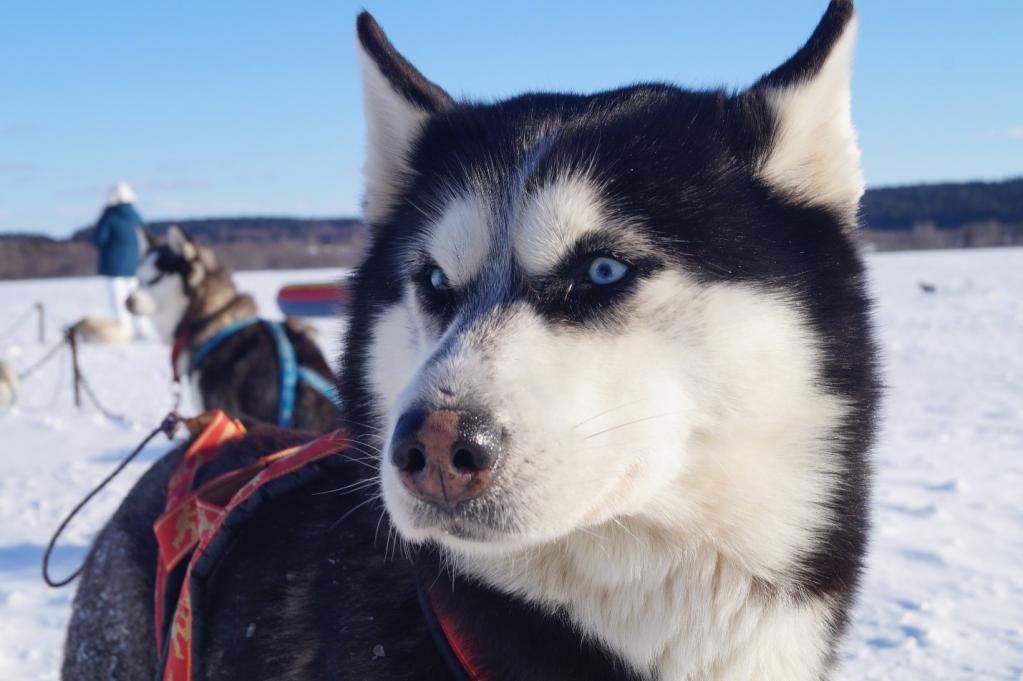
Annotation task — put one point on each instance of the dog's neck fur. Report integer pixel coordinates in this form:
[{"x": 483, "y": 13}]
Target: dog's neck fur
[
  {"x": 214, "y": 304},
  {"x": 678, "y": 612}
]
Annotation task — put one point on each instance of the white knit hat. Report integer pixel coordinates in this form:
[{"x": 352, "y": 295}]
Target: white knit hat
[{"x": 120, "y": 193}]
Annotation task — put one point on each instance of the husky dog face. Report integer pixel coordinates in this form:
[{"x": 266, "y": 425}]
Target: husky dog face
[
  {"x": 169, "y": 274},
  {"x": 651, "y": 300}
]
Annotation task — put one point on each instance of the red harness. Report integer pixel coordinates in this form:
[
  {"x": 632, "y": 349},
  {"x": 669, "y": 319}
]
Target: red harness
[
  {"x": 180, "y": 341},
  {"x": 193, "y": 516}
]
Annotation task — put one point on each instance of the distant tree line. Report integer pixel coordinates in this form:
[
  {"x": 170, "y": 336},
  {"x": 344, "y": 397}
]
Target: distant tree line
[
  {"x": 950, "y": 215},
  {"x": 254, "y": 229},
  {"x": 241, "y": 244},
  {"x": 945, "y": 206}
]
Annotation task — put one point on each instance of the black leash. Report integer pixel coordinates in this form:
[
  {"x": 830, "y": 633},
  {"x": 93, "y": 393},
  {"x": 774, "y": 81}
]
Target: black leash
[
  {"x": 168, "y": 427},
  {"x": 96, "y": 403},
  {"x": 57, "y": 388},
  {"x": 43, "y": 360},
  {"x": 83, "y": 384}
]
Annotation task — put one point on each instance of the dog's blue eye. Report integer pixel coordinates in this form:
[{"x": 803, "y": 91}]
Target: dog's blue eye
[
  {"x": 438, "y": 279},
  {"x": 604, "y": 271}
]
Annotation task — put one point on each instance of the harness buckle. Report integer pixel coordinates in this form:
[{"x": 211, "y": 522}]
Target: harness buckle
[{"x": 170, "y": 423}]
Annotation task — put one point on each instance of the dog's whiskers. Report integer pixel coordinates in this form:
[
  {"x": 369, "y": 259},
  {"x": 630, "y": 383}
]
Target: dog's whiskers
[
  {"x": 353, "y": 487},
  {"x": 354, "y": 509},
  {"x": 368, "y": 445},
  {"x": 629, "y": 423},
  {"x": 608, "y": 411},
  {"x": 373, "y": 428},
  {"x": 355, "y": 444},
  {"x": 406, "y": 547},
  {"x": 719, "y": 268},
  {"x": 626, "y": 530},
  {"x": 599, "y": 541},
  {"x": 362, "y": 462},
  {"x": 370, "y": 461},
  {"x": 376, "y": 532},
  {"x": 387, "y": 542}
]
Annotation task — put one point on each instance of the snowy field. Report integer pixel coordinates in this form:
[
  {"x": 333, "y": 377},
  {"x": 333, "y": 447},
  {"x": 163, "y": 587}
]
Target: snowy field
[{"x": 943, "y": 597}]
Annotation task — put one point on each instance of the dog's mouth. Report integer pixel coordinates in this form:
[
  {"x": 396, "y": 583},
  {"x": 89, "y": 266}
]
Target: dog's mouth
[
  {"x": 461, "y": 524},
  {"x": 467, "y": 530},
  {"x": 466, "y": 523}
]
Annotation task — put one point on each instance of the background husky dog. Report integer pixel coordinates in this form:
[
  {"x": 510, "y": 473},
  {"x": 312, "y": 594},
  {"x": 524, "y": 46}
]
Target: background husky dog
[
  {"x": 103, "y": 330},
  {"x": 188, "y": 293},
  {"x": 616, "y": 352},
  {"x": 8, "y": 385}
]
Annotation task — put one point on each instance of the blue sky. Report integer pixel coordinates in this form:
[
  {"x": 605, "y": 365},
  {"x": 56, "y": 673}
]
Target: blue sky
[{"x": 253, "y": 108}]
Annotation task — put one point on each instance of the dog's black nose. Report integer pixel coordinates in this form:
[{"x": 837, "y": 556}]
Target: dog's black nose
[{"x": 445, "y": 457}]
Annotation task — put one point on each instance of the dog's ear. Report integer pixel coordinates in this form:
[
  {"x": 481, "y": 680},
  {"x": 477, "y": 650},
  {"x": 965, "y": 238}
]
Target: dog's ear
[
  {"x": 813, "y": 156},
  {"x": 181, "y": 243},
  {"x": 398, "y": 100},
  {"x": 201, "y": 258}
]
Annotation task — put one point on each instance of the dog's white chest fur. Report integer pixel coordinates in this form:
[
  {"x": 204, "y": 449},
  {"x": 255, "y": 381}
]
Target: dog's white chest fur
[{"x": 685, "y": 616}]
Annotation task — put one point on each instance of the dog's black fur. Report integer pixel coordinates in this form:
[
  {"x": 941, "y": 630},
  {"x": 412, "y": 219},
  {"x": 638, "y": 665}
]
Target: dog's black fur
[
  {"x": 332, "y": 602},
  {"x": 241, "y": 377}
]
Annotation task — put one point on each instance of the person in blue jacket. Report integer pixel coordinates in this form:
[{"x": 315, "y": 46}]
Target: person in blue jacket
[{"x": 117, "y": 239}]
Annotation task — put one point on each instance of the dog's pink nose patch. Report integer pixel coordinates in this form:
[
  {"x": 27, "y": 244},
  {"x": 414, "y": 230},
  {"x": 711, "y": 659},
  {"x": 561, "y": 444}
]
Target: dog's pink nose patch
[{"x": 439, "y": 463}]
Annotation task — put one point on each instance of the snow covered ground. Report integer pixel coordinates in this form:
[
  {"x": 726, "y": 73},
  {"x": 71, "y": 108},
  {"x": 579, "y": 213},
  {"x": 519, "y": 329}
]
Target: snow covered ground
[{"x": 943, "y": 597}]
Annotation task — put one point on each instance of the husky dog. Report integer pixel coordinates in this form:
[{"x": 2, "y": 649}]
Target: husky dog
[
  {"x": 619, "y": 345},
  {"x": 101, "y": 330},
  {"x": 8, "y": 385},
  {"x": 190, "y": 296},
  {"x": 616, "y": 357}
]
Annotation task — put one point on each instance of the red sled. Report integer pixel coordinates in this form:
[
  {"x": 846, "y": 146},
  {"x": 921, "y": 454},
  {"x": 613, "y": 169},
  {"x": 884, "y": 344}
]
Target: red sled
[{"x": 324, "y": 299}]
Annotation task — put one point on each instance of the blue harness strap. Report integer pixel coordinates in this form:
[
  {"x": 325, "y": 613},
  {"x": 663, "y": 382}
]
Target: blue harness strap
[
  {"x": 319, "y": 384},
  {"x": 216, "y": 339},
  {"x": 290, "y": 372}
]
